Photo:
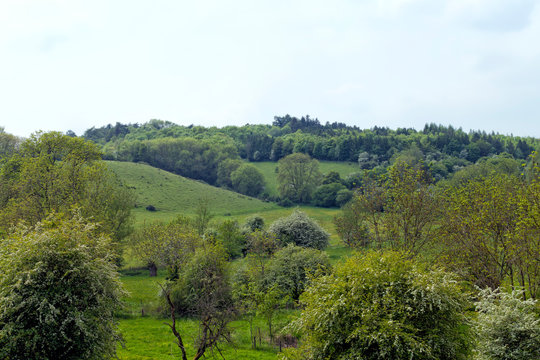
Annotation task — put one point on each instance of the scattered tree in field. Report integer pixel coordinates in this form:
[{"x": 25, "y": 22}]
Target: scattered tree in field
[
  {"x": 382, "y": 306},
  {"x": 331, "y": 178},
  {"x": 298, "y": 176},
  {"x": 203, "y": 291},
  {"x": 253, "y": 223},
  {"x": 291, "y": 268},
  {"x": 225, "y": 169},
  {"x": 507, "y": 326},
  {"x": 343, "y": 197},
  {"x": 59, "y": 290},
  {"x": 203, "y": 215},
  {"x": 326, "y": 195},
  {"x": 247, "y": 180},
  {"x": 232, "y": 238},
  {"x": 165, "y": 244},
  {"x": 301, "y": 230},
  {"x": 261, "y": 245}
]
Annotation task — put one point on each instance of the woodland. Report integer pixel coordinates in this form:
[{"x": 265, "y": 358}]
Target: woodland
[{"x": 295, "y": 240}]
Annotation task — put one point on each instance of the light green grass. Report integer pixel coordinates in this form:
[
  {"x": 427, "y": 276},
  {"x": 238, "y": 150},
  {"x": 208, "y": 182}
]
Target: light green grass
[
  {"x": 173, "y": 194},
  {"x": 268, "y": 169},
  {"x": 148, "y": 337}
]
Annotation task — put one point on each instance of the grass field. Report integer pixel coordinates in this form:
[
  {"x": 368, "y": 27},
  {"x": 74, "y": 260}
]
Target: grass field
[
  {"x": 148, "y": 337},
  {"x": 268, "y": 169},
  {"x": 173, "y": 194}
]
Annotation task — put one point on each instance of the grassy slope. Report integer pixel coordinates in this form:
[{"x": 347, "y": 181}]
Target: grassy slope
[
  {"x": 268, "y": 168},
  {"x": 173, "y": 194}
]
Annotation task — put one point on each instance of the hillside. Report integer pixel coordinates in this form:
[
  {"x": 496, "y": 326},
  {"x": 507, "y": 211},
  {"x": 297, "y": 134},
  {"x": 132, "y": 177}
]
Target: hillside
[
  {"x": 172, "y": 194},
  {"x": 268, "y": 169}
]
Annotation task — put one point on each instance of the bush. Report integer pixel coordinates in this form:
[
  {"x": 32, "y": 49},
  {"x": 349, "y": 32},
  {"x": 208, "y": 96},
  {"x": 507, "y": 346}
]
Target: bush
[
  {"x": 247, "y": 180},
  {"x": 343, "y": 197},
  {"x": 301, "y": 230},
  {"x": 255, "y": 222},
  {"x": 291, "y": 268},
  {"x": 508, "y": 327},
  {"x": 325, "y": 195},
  {"x": 383, "y": 306},
  {"x": 59, "y": 290},
  {"x": 202, "y": 288},
  {"x": 228, "y": 232}
]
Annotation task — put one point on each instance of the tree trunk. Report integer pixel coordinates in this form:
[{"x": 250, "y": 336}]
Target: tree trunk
[{"x": 153, "y": 269}]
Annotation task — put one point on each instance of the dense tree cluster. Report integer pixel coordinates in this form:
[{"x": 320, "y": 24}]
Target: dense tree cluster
[{"x": 447, "y": 146}]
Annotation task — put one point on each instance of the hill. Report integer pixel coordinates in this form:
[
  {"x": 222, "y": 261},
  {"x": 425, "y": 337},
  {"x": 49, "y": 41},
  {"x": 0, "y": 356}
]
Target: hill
[{"x": 173, "y": 194}]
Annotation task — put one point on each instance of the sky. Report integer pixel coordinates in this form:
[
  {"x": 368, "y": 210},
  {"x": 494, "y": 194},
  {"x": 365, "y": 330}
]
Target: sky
[{"x": 72, "y": 65}]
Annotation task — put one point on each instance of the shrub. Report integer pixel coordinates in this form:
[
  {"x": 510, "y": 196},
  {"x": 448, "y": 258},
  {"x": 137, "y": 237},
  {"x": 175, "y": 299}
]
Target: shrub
[
  {"x": 301, "y": 230},
  {"x": 325, "y": 195},
  {"x": 291, "y": 268},
  {"x": 59, "y": 290},
  {"x": 383, "y": 306},
  {"x": 228, "y": 232},
  {"x": 507, "y": 327},
  {"x": 255, "y": 222}
]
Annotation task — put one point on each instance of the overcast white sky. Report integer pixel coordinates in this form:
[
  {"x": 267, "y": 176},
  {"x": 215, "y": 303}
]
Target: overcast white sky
[{"x": 69, "y": 64}]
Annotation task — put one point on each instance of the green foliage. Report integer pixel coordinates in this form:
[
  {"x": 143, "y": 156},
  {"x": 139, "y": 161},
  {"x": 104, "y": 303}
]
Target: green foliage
[
  {"x": 382, "y": 306},
  {"x": 298, "y": 176},
  {"x": 301, "y": 230},
  {"x": 203, "y": 291},
  {"x": 165, "y": 244},
  {"x": 290, "y": 269},
  {"x": 232, "y": 238},
  {"x": 247, "y": 180},
  {"x": 8, "y": 144},
  {"x": 410, "y": 209},
  {"x": 326, "y": 195},
  {"x": 351, "y": 225},
  {"x": 225, "y": 169},
  {"x": 480, "y": 228},
  {"x": 344, "y": 196},
  {"x": 187, "y": 156},
  {"x": 508, "y": 327},
  {"x": 53, "y": 173},
  {"x": 59, "y": 291},
  {"x": 253, "y": 223}
]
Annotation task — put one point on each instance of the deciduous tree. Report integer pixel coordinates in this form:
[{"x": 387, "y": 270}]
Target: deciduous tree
[{"x": 298, "y": 176}]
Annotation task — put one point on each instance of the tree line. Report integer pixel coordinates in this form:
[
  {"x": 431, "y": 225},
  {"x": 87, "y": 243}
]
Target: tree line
[{"x": 335, "y": 142}]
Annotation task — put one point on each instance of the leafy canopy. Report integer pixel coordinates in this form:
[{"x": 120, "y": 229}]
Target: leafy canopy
[
  {"x": 383, "y": 306},
  {"x": 59, "y": 290}
]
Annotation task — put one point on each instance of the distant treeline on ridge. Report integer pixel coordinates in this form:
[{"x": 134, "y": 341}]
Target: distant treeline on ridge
[{"x": 196, "y": 151}]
